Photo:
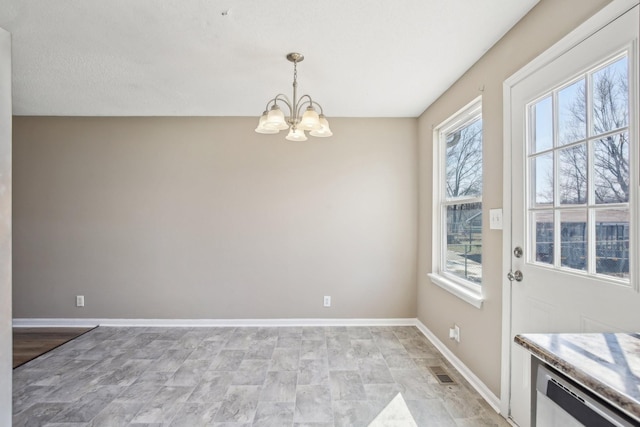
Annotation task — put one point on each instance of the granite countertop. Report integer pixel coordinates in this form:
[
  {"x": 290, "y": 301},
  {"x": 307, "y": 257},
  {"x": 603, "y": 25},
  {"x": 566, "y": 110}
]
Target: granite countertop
[{"x": 606, "y": 364}]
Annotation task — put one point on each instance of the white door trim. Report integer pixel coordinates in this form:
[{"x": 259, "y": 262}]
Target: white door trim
[
  {"x": 585, "y": 30},
  {"x": 6, "y": 364}
]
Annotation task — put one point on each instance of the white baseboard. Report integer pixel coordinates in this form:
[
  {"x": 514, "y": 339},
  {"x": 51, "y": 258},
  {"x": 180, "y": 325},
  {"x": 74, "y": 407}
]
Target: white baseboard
[
  {"x": 80, "y": 323},
  {"x": 475, "y": 382},
  {"x": 55, "y": 323}
]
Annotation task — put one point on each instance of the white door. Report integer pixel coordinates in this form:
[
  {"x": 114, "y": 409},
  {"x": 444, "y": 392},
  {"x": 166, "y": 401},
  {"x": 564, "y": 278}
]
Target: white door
[{"x": 574, "y": 162}]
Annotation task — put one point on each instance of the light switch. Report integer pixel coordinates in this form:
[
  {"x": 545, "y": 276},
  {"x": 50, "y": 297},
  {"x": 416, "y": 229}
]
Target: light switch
[{"x": 495, "y": 219}]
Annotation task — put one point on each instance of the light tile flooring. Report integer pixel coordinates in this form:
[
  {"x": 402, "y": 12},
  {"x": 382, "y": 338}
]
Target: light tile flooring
[{"x": 273, "y": 376}]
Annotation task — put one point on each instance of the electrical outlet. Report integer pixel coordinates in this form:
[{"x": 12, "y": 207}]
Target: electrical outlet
[
  {"x": 79, "y": 300},
  {"x": 327, "y": 301}
]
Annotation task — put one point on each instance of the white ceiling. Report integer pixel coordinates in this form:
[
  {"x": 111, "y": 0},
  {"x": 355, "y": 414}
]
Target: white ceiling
[{"x": 363, "y": 58}]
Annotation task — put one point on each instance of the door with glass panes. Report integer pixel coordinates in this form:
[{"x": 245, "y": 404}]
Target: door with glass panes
[{"x": 574, "y": 195}]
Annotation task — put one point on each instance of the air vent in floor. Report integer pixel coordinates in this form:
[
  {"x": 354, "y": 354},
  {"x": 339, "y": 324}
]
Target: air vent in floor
[{"x": 441, "y": 375}]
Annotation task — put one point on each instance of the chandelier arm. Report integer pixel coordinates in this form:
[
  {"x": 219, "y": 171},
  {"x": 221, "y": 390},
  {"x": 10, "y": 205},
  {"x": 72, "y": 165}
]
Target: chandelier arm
[
  {"x": 302, "y": 103},
  {"x": 280, "y": 98},
  {"x": 266, "y": 108},
  {"x": 318, "y": 105}
]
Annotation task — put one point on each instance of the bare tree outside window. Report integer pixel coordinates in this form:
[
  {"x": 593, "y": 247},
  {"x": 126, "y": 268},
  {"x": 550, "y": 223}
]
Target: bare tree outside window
[
  {"x": 463, "y": 181},
  {"x": 464, "y": 161},
  {"x": 610, "y": 111},
  {"x": 573, "y": 175}
]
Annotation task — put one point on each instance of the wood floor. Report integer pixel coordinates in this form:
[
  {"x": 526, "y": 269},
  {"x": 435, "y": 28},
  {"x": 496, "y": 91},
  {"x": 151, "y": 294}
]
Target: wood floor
[{"x": 29, "y": 343}]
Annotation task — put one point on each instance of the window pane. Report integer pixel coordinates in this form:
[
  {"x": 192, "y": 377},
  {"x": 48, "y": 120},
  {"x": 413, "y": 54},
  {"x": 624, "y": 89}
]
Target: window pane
[
  {"x": 579, "y": 173},
  {"x": 464, "y": 161},
  {"x": 543, "y": 224},
  {"x": 572, "y": 113},
  {"x": 542, "y": 179},
  {"x": 612, "y": 242},
  {"x": 611, "y": 169},
  {"x": 611, "y": 97},
  {"x": 572, "y": 175},
  {"x": 464, "y": 241},
  {"x": 541, "y": 115},
  {"x": 573, "y": 239}
]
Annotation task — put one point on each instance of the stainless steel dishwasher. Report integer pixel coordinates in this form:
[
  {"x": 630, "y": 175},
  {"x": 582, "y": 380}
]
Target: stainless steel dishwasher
[{"x": 560, "y": 402}]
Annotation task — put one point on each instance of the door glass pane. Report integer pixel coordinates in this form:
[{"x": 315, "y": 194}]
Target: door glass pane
[
  {"x": 579, "y": 164},
  {"x": 611, "y": 168},
  {"x": 543, "y": 226},
  {"x": 464, "y": 241},
  {"x": 572, "y": 113},
  {"x": 464, "y": 161},
  {"x": 612, "y": 242},
  {"x": 573, "y": 239},
  {"x": 572, "y": 175},
  {"x": 542, "y": 117},
  {"x": 542, "y": 179},
  {"x": 611, "y": 97}
]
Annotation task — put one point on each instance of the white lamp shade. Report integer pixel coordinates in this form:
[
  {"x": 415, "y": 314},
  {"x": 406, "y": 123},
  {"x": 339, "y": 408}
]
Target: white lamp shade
[
  {"x": 296, "y": 135},
  {"x": 275, "y": 118},
  {"x": 323, "y": 131},
  {"x": 310, "y": 120},
  {"x": 263, "y": 127}
]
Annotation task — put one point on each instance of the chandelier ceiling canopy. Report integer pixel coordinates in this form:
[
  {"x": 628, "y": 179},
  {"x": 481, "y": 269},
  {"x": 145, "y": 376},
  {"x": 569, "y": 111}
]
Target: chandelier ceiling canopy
[{"x": 273, "y": 119}]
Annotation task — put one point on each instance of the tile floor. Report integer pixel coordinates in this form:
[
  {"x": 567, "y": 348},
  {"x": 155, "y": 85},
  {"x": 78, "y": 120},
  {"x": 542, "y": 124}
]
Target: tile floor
[{"x": 272, "y": 376}]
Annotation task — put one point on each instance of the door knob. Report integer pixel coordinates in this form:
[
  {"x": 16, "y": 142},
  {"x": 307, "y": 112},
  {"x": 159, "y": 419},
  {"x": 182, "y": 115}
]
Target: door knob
[{"x": 515, "y": 275}]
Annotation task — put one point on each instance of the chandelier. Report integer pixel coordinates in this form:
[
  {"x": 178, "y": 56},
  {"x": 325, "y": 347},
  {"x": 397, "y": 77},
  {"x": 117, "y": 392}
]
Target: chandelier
[{"x": 273, "y": 119}]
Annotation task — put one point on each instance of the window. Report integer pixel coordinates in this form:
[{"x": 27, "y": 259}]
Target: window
[
  {"x": 458, "y": 204},
  {"x": 578, "y": 168}
]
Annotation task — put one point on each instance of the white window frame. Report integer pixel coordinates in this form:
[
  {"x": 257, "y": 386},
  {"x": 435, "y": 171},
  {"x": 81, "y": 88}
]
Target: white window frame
[{"x": 464, "y": 289}]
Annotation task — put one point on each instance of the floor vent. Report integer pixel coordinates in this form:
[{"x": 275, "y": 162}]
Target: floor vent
[{"x": 441, "y": 375}]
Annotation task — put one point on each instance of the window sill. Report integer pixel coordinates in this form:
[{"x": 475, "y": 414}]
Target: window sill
[{"x": 464, "y": 293}]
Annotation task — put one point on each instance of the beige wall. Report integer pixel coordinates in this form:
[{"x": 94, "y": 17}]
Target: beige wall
[
  {"x": 203, "y": 218},
  {"x": 5, "y": 228},
  {"x": 480, "y": 346}
]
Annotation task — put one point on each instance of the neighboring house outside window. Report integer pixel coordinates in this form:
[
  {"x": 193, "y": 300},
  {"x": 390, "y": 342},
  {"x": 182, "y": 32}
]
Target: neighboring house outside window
[{"x": 457, "y": 232}]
